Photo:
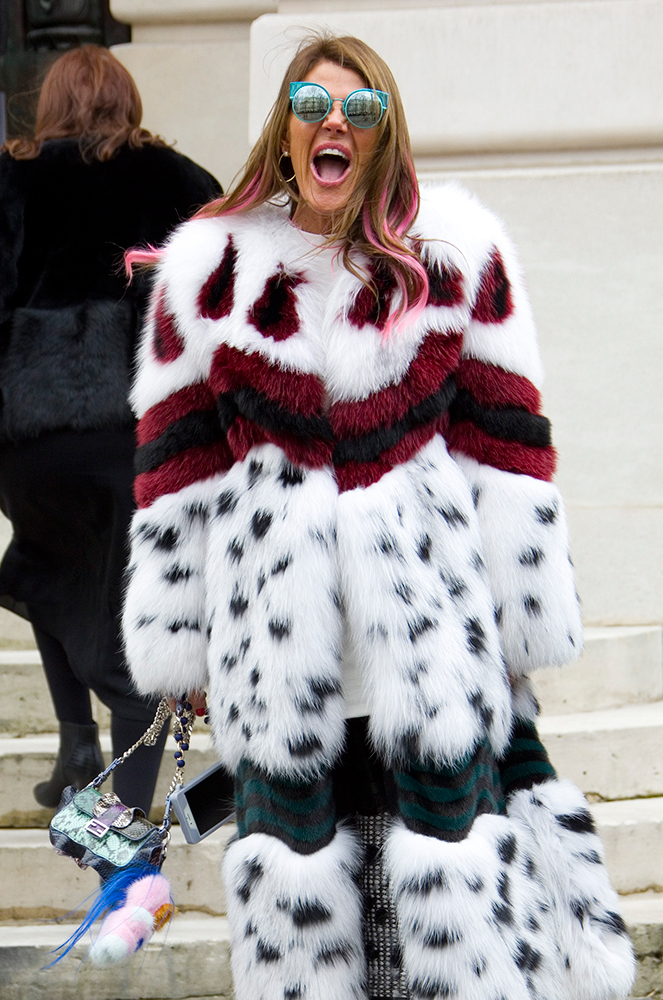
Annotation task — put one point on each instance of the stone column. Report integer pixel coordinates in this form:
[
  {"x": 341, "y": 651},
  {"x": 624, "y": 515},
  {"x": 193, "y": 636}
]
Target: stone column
[{"x": 190, "y": 60}]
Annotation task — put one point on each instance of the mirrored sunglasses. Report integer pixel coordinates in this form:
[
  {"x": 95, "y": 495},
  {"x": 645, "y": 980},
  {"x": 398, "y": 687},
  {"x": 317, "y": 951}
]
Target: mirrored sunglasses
[{"x": 312, "y": 103}]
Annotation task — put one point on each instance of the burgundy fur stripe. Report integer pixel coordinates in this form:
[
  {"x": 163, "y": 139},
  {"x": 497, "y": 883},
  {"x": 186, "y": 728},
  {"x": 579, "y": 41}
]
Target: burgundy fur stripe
[
  {"x": 167, "y": 343},
  {"x": 190, "y": 466},
  {"x": 298, "y": 392},
  {"x": 192, "y": 398},
  {"x": 445, "y": 284},
  {"x": 218, "y": 293},
  {"x": 274, "y": 314},
  {"x": 312, "y": 453},
  {"x": 511, "y": 456},
  {"x": 436, "y": 358},
  {"x": 494, "y": 302},
  {"x": 493, "y": 386},
  {"x": 356, "y": 474},
  {"x": 369, "y": 307},
  {"x": 243, "y": 435}
]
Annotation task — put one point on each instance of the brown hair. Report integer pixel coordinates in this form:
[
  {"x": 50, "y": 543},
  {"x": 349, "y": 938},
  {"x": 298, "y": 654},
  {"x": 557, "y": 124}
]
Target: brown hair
[
  {"x": 87, "y": 94},
  {"x": 385, "y": 201}
]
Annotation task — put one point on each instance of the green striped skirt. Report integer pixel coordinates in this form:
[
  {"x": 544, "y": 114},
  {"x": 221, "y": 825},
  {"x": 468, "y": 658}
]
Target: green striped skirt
[{"x": 434, "y": 800}]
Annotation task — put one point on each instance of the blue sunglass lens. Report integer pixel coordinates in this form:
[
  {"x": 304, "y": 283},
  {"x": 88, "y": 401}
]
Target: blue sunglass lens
[
  {"x": 311, "y": 103},
  {"x": 364, "y": 108}
]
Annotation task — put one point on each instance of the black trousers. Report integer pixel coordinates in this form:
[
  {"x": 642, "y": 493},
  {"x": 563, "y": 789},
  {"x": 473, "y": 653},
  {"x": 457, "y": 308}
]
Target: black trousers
[{"x": 69, "y": 497}]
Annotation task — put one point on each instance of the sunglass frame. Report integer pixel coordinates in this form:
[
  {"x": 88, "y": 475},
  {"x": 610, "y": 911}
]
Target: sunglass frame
[{"x": 295, "y": 88}]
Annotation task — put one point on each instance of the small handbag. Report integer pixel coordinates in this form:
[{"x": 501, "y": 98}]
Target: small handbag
[{"x": 99, "y": 831}]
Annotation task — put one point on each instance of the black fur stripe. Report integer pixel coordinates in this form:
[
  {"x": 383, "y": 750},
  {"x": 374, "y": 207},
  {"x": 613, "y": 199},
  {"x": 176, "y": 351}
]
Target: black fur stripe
[
  {"x": 369, "y": 447},
  {"x": 194, "y": 430},
  {"x": 509, "y": 423},
  {"x": 272, "y": 416},
  {"x": 226, "y": 409},
  {"x": 526, "y": 762},
  {"x": 255, "y": 406}
]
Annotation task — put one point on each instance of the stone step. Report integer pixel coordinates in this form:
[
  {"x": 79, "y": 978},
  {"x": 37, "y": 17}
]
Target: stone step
[
  {"x": 643, "y": 913},
  {"x": 24, "y": 762},
  {"x": 37, "y": 884},
  {"x": 632, "y": 835},
  {"x": 619, "y": 666},
  {"x": 611, "y": 754},
  {"x": 15, "y": 632},
  {"x": 190, "y": 959},
  {"x": 616, "y": 753},
  {"x": 27, "y": 708}
]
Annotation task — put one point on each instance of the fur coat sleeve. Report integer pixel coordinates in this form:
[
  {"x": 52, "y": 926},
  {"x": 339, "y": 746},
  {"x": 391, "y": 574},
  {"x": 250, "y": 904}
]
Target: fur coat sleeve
[{"x": 308, "y": 484}]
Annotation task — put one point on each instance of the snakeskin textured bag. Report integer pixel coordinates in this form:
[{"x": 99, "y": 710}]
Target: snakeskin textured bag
[{"x": 98, "y": 831}]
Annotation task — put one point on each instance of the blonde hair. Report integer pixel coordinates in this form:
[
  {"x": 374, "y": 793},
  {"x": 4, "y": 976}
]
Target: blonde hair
[{"x": 385, "y": 200}]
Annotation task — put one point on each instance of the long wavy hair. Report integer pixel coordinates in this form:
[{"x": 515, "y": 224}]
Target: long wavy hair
[
  {"x": 89, "y": 95},
  {"x": 385, "y": 200}
]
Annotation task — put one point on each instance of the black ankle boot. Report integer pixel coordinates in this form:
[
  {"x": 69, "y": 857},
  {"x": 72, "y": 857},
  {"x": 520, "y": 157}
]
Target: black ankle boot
[{"x": 78, "y": 761}]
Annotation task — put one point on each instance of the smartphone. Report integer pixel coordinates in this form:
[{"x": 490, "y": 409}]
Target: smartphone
[{"x": 205, "y": 803}]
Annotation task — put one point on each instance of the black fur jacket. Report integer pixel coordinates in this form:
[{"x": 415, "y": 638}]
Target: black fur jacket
[{"x": 68, "y": 320}]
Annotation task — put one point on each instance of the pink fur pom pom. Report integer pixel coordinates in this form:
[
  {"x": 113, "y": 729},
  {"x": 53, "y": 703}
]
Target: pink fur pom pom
[{"x": 147, "y": 907}]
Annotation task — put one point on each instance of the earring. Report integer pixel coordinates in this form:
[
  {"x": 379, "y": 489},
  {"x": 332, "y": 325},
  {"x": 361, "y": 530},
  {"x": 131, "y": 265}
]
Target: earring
[{"x": 286, "y": 179}]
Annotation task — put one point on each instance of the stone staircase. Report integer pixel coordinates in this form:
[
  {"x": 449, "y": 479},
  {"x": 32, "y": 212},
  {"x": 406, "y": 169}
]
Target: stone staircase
[{"x": 602, "y": 721}]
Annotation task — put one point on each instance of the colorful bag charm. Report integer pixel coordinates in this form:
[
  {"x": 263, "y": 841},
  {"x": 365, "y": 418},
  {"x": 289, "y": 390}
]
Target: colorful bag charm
[
  {"x": 147, "y": 907},
  {"x": 98, "y": 831}
]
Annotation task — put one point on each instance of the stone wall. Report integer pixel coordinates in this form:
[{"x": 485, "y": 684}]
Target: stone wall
[{"x": 190, "y": 59}]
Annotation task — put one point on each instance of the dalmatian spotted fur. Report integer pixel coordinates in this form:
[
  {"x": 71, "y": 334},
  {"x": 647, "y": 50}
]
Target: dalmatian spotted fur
[
  {"x": 420, "y": 612},
  {"x": 295, "y": 921},
  {"x": 164, "y": 611},
  {"x": 431, "y": 624},
  {"x": 526, "y": 553},
  {"x": 275, "y": 620},
  {"x": 522, "y": 908}
]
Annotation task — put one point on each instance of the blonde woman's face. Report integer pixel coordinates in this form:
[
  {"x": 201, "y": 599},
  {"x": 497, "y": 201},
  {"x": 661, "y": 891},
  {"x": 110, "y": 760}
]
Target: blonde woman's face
[{"x": 328, "y": 157}]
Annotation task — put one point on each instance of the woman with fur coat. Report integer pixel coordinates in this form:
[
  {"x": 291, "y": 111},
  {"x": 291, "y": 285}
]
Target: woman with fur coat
[
  {"x": 348, "y": 537},
  {"x": 90, "y": 184}
]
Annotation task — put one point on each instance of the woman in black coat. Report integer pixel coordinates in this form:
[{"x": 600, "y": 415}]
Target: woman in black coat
[{"x": 91, "y": 184}]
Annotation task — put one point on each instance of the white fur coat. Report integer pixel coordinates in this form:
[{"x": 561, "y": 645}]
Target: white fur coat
[
  {"x": 297, "y": 495},
  {"x": 312, "y": 487}
]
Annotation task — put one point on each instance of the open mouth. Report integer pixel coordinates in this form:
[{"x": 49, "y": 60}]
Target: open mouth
[{"x": 330, "y": 166}]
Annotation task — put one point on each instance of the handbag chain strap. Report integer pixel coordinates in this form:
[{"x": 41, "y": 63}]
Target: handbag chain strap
[
  {"x": 183, "y": 725},
  {"x": 148, "y": 738}
]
